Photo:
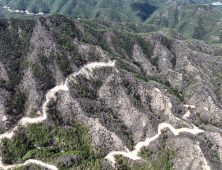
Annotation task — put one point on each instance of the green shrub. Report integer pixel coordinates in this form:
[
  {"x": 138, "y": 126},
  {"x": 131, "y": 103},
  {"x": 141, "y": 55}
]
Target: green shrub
[{"x": 33, "y": 113}]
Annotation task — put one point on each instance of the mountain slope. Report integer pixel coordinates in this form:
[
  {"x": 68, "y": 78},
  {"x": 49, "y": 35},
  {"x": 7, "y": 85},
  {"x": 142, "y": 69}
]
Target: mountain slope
[
  {"x": 104, "y": 9},
  {"x": 114, "y": 11},
  {"x": 121, "y": 88},
  {"x": 198, "y": 21},
  {"x": 191, "y": 20}
]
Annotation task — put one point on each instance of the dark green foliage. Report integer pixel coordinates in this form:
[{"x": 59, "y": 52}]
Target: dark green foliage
[
  {"x": 146, "y": 46},
  {"x": 141, "y": 77},
  {"x": 121, "y": 163},
  {"x": 122, "y": 126},
  {"x": 144, "y": 9},
  {"x": 64, "y": 41},
  {"x": 33, "y": 113},
  {"x": 90, "y": 109},
  {"x": 121, "y": 65},
  {"x": 16, "y": 102},
  {"x": 154, "y": 61},
  {"x": 52, "y": 140},
  {"x": 173, "y": 91},
  {"x": 199, "y": 30},
  {"x": 42, "y": 73},
  {"x": 182, "y": 26},
  {"x": 78, "y": 58},
  {"x": 53, "y": 113},
  {"x": 167, "y": 42},
  {"x": 2, "y": 83},
  {"x": 17, "y": 148},
  {"x": 64, "y": 65},
  {"x": 13, "y": 49},
  {"x": 175, "y": 18},
  {"x": 173, "y": 61},
  {"x": 127, "y": 41},
  {"x": 69, "y": 31},
  {"x": 166, "y": 84},
  {"x": 121, "y": 40},
  {"x": 162, "y": 160},
  {"x": 83, "y": 90}
]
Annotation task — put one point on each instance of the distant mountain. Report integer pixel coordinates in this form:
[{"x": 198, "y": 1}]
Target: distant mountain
[
  {"x": 191, "y": 20},
  {"x": 201, "y": 22},
  {"x": 120, "y": 11}
]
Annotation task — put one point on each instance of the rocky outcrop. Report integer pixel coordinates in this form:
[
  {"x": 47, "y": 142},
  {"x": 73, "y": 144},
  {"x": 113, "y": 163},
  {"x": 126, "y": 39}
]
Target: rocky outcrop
[
  {"x": 140, "y": 57},
  {"x": 3, "y": 116},
  {"x": 2, "y": 71},
  {"x": 29, "y": 85}
]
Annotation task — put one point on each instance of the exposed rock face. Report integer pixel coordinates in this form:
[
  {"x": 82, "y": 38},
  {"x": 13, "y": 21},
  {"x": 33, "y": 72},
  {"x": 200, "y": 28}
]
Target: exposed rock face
[
  {"x": 43, "y": 44},
  {"x": 2, "y": 71},
  {"x": 71, "y": 109},
  {"x": 3, "y": 115},
  {"x": 191, "y": 156},
  {"x": 30, "y": 87},
  {"x": 140, "y": 57}
]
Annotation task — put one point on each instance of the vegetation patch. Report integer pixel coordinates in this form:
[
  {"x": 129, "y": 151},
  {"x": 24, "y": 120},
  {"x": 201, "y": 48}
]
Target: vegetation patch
[
  {"x": 48, "y": 143},
  {"x": 33, "y": 113}
]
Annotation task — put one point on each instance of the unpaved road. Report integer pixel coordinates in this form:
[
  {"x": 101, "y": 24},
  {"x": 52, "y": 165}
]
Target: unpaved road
[
  {"x": 86, "y": 70},
  {"x": 52, "y": 167},
  {"x": 134, "y": 154}
]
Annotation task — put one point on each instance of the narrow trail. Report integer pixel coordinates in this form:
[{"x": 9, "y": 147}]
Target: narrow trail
[
  {"x": 134, "y": 154},
  {"x": 21, "y": 11},
  {"x": 52, "y": 167}
]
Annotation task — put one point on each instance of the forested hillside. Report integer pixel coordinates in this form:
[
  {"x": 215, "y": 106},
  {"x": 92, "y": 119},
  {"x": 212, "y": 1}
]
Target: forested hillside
[
  {"x": 191, "y": 20},
  {"x": 83, "y": 94},
  {"x": 198, "y": 21},
  {"x": 109, "y": 10}
]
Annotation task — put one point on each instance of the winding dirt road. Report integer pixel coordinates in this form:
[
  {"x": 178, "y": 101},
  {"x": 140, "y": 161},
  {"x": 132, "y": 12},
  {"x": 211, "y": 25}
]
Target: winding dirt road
[
  {"x": 134, "y": 154},
  {"x": 86, "y": 70}
]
